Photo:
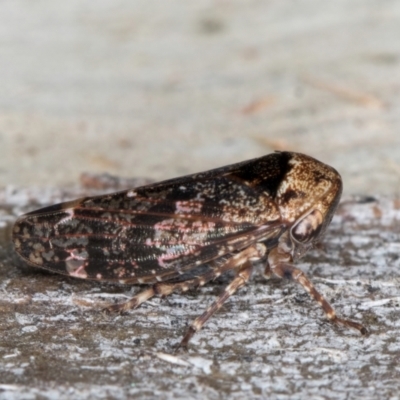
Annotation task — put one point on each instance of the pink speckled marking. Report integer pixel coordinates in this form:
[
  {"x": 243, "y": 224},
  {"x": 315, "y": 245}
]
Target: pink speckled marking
[
  {"x": 75, "y": 265},
  {"x": 79, "y": 273},
  {"x": 188, "y": 207},
  {"x": 172, "y": 254}
]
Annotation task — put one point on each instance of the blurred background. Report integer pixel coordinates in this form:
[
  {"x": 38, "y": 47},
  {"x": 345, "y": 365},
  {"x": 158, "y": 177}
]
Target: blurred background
[{"x": 159, "y": 89}]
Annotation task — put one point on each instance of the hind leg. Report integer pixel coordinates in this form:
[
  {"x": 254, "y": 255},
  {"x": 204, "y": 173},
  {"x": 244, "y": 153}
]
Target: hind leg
[
  {"x": 219, "y": 266},
  {"x": 163, "y": 289}
]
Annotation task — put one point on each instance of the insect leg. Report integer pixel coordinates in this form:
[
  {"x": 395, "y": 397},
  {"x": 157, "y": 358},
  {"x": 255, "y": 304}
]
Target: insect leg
[
  {"x": 242, "y": 277},
  {"x": 243, "y": 263},
  {"x": 267, "y": 274},
  {"x": 164, "y": 289},
  {"x": 287, "y": 270},
  {"x": 134, "y": 302}
]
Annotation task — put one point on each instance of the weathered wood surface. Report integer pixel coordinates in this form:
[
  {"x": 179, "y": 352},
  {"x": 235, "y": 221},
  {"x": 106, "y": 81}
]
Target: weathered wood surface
[{"x": 269, "y": 341}]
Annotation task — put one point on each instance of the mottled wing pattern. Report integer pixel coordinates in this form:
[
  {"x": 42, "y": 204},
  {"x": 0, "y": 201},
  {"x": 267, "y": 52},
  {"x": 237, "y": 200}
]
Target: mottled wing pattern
[{"x": 157, "y": 232}]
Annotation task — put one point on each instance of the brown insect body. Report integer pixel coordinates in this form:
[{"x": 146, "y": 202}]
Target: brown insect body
[{"x": 184, "y": 232}]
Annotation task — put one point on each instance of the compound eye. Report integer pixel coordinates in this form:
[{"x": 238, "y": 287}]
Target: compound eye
[{"x": 307, "y": 228}]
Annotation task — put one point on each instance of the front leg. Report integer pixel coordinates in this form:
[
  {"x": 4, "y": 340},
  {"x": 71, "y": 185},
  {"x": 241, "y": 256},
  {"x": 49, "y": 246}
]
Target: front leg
[{"x": 280, "y": 264}]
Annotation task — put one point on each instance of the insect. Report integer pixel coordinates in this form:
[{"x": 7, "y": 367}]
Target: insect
[{"x": 184, "y": 232}]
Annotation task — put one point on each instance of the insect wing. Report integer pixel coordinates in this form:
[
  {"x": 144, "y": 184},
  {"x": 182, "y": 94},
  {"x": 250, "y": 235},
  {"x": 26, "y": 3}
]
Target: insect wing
[{"x": 154, "y": 232}]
